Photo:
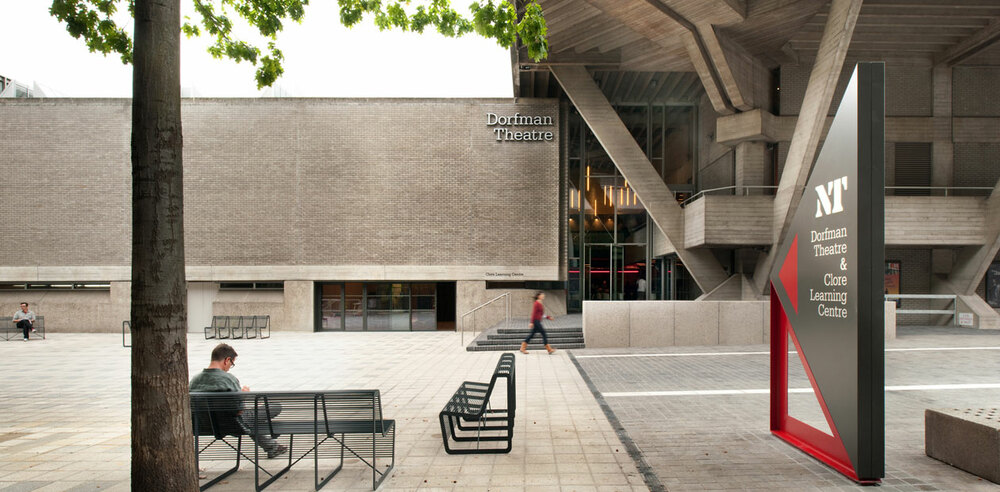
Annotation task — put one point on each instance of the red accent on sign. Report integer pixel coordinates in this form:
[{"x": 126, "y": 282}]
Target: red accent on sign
[
  {"x": 822, "y": 446},
  {"x": 789, "y": 274}
]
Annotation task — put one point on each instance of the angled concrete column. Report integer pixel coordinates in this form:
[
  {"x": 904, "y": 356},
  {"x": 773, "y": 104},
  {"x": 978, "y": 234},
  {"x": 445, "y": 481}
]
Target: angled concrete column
[
  {"x": 973, "y": 261},
  {"x": 809, "y": 126},
  {"x": 635, "y": 167}
]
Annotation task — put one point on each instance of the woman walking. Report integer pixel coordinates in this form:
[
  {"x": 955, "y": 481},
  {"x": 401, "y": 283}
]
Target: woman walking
[{"x": 537, "y": 313}]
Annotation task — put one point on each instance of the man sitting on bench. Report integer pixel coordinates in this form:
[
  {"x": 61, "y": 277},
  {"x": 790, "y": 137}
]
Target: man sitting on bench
[
  {"x": 25, "y": 320},
  {"x": 216, "y": 377}
]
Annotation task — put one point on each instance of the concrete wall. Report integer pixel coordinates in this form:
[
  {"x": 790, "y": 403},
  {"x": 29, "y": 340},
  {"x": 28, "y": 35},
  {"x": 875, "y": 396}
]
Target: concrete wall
[
  {"x": 293, "y": 190},
  {"x": 471, "y": 294},
  {"x": 615, "y": 324},
  {"x": 675, "y": 323},
  {"x": 89, "y": 311}
]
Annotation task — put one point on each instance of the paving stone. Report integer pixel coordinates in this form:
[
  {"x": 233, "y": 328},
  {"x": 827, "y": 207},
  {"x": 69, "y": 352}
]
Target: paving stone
[
  {"x": 80, "y": 441},
  {"x": 722, "y": 442}
]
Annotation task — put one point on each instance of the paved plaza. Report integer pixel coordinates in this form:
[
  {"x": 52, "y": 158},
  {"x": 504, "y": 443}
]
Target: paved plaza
[{"x": 680, "y": 418}]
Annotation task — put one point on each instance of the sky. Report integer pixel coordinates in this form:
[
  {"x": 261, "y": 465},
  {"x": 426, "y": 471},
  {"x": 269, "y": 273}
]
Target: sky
[{"x": 322, "y": 59}]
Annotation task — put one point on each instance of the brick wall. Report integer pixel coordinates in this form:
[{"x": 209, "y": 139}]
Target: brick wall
[
  {"x": 908, "y": 89},
  {"x": 290, "y": 182},
  {"x": 68, "y": 161},
  {"x": 974, "y": 91},
  {"x": 977, "y": 163}
]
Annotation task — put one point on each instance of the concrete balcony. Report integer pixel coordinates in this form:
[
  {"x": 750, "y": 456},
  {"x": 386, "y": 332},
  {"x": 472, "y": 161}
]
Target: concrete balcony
[{"x": 912, "y": 221}]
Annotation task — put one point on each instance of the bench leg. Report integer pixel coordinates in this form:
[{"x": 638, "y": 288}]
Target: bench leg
[
  {"x": 276, "y": 476},
  {"x": 239, "y": 442},
  {"x": 321, "y": 484},
  {"x": 449, "y": 430}
]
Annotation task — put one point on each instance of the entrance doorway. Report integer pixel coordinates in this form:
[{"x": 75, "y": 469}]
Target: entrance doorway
[{"x": 612, "y": 271}]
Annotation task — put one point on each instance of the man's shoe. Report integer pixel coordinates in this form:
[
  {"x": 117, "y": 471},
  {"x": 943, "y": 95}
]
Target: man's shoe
[
  {"x": 33, "y": 330},
  {"x": 277, "y": 451},
  {"x": 26, "y": 339},
  {"x": 550, "y": 349},
  {"x": 524, "y": 347}
]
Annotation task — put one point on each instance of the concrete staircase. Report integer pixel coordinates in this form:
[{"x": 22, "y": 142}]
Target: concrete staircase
[{"x": 565, "y": 332}]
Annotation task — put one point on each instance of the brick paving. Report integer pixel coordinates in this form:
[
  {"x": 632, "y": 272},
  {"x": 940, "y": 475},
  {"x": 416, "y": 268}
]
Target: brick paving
[
  {"x": 65, "y": 408},
  {"x": 66, "y": 413},
  {"x": 722, "y": 442}
]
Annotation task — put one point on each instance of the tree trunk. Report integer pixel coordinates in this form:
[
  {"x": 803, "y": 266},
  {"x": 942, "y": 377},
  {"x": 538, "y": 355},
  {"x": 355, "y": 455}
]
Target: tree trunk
[{"x": 162, "y": 445}]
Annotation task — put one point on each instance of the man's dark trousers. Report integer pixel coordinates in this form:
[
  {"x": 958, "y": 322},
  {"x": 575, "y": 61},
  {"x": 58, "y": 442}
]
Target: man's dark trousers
[{"x": 25, "y": 326}]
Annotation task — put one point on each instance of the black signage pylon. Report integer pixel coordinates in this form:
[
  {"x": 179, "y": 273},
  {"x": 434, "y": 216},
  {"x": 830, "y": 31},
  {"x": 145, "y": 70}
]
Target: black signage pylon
[{"x": 826, "y": 295}]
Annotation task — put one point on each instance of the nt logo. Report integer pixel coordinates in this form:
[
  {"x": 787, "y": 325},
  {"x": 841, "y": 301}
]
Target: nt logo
[{"x": 830, "y": 199}]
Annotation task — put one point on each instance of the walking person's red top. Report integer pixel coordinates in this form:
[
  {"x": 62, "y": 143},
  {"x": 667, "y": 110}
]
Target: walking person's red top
[{"x": 538, "y": 312}]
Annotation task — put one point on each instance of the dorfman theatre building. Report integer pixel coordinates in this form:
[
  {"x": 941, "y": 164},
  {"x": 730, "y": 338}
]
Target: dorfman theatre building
[{"x": 649, "y": 157}]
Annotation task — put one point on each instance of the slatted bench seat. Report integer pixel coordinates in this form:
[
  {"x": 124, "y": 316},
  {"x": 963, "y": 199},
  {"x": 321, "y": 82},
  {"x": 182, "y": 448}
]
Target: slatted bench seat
[
  {"x": 329, "y": 424},
  {"x": 11, "y": 331},
  {"x": 224, "y": 327},
  {"x": 471, "y": 404}
]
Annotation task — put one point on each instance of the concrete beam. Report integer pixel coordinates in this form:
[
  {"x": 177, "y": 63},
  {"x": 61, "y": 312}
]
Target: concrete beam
[
  {"x": 971, "y": 45},
  {"x": 761, "y": 125},
  {"x": 706, "y": 72},
  {"x": 820, "y": 90},
  {"x": 737, "y": 69},
  {"x": 755, "y": 125},
  {"x": 655, "y": 196},
  {"x": 607, "y": 61}
]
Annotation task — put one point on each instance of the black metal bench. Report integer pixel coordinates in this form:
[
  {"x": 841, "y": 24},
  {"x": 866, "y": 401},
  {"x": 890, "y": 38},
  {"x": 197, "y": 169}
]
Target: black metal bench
[
  {"x": 334, "y": 422},
  {"x": 224, "y": 327},
  {"x": 11, "y": 331},
  {"x": 471, "y": 404}
]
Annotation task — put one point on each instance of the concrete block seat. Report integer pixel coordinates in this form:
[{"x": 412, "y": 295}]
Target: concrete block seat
[{"x": 966, "y": 438}]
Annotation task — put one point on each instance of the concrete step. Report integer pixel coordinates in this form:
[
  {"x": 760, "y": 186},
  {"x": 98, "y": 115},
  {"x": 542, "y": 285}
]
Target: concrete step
[
  {"x": 552, "y": 341},
  {"x": 515, "y": 348},
  {"x": 522, "y": 336},
  {"x": 524, "y": 331}
]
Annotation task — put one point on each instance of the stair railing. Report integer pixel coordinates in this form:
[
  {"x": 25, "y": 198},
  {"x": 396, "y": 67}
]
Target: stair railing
[{"x": 506, "y": 300}]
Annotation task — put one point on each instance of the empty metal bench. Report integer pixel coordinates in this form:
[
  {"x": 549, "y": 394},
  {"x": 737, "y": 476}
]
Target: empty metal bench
[
  {"x": 225, "y": 327},
  {"x": 471, "y": 404},
  {"x": 329, "y": 424}
]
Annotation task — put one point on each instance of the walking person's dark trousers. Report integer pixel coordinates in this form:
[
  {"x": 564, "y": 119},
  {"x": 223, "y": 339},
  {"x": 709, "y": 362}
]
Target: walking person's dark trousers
[
  {"x": 25, "y": 326},
  {"x": 536, "y": 327}
]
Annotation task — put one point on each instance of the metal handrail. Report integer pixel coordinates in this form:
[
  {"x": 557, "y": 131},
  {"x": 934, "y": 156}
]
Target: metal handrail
[
  {"x": 505, "y": 296},
  {"x": 745, "y": 189},
  {"x": 952, "y": 312},
  {"x": 945, "y": 188}
]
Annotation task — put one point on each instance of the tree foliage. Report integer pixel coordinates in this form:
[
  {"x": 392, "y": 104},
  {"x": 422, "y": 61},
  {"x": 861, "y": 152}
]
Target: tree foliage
[{"x": 94, "y": 21}]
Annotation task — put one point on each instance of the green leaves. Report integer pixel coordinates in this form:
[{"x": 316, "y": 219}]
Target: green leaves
[{"x": 93, "y": 21}]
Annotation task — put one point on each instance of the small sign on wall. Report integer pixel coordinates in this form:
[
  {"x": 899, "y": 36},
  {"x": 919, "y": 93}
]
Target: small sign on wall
[{"x": 966, "y": 319}]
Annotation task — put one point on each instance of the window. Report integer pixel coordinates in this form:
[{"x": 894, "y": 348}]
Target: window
[{"x": 252, "y": 286}]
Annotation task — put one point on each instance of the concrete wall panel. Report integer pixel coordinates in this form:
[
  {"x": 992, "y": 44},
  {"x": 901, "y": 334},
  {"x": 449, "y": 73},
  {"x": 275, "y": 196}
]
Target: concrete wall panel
[
  {"x": 605, "y": 324},
  {"x": 651, "y": 323},
  {"x": 739, "y": 325},
  {"x": 696, "y": 323}
]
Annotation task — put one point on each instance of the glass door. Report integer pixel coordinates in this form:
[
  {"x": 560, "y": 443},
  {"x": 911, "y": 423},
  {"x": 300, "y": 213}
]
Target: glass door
[
  {"x": 332, "y": 307},
  {"x": 598, "y": 280},
  {"x": 618, "y": 286},
  {"x": 354, "y": 306}
]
